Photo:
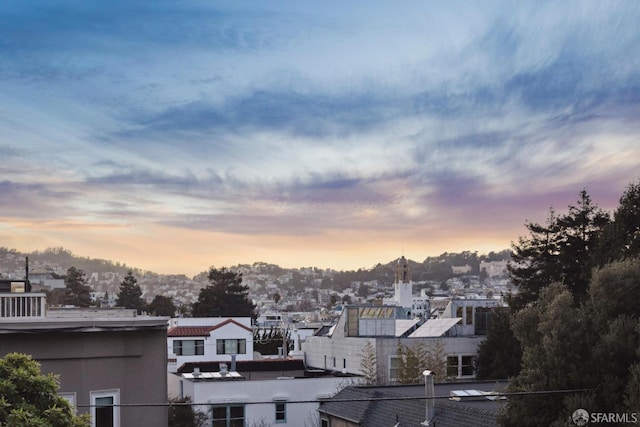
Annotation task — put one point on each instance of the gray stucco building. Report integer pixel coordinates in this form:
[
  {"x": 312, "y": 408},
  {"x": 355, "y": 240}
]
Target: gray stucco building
[{"x": 108, "y": 361}]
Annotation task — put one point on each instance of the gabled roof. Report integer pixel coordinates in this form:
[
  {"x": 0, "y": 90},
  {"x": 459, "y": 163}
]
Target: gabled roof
[
  {"x": 359, "y": 406},
  {"x": 405, "y": 405},
  {"x": 201, "y": 331}
]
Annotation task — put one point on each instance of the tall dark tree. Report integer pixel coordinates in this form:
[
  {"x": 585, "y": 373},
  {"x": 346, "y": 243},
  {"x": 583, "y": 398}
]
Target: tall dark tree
[
  {"x": 499, "y": 354},
  {"x": 621, "y": 238},
  {"x": 559, "y": 251},
  {"x": 162, "y": 306},
  {"x": 77, "y": 291},
  {"x": 580, "y": 229},
  {"x": 225, "y": 296},
  {"x": 130, "y": 294}
]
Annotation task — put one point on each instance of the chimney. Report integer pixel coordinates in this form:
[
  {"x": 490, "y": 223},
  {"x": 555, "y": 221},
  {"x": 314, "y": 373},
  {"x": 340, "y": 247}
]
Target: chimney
[
  {"x": 223, "y": 369},
  {"x": 233, "y": 363},
  {"x": 196, "y": 372},
  {"x": 429, "y": 394}
]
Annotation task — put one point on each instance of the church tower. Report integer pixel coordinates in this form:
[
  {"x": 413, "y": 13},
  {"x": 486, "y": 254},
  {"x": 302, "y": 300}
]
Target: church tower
[{"x": 403, "y": 286}]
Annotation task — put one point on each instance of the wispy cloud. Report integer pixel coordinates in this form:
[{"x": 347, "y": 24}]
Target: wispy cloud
[{"x": 430, "y": 124}]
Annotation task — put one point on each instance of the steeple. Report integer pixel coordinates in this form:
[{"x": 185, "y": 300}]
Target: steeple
[
  {"x": 403, "y": 286},
  {"x": 403, "y": 271}
]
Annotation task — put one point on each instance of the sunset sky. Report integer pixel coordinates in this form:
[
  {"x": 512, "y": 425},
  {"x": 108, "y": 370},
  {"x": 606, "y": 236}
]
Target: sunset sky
[{"x": 178, "y": 135}]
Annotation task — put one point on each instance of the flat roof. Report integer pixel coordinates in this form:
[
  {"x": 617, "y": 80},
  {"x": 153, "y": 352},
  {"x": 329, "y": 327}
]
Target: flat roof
[{"x": 80, "y": 324}]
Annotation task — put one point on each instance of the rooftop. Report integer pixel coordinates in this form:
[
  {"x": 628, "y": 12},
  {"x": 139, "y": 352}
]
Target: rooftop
[{"x": 405, "y": 404}]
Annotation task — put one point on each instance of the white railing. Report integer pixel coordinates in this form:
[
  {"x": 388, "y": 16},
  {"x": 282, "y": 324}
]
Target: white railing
[{"x": 19, "y": 305}]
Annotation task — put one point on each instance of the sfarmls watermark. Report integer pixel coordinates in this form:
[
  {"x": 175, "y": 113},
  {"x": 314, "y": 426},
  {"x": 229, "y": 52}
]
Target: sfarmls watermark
[{"x": 581, "y": 417}]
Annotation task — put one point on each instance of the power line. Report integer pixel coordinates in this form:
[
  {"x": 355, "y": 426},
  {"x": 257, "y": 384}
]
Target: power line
[{"x": 497, "y": 395}]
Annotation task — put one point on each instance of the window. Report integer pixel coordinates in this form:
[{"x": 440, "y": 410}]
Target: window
[
  {"x": 105, "y": 411},
  {"x": 324, "y": 423},
  {"x": 71, "y": 398},
  {"x": 469, "y": 319},
  {"x": 466, "y": 368},
  {"x": 231, "y": 346},
  {"x": 452, "y": 366},
  {"x": 228, "y": 416},
  {"x": 459, "y": 366},
  {"x": 459, "y": 312},
  {"x": 281, "y": 412},
  {"x": 395, "y": 367},
  {"x": 188, "y": 347}
]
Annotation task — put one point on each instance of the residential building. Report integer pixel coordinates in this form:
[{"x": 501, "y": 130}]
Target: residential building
[
  {"x": 494, "y": 268},
  {"x": 341, "y": 347},
  {"x": 107, "y": 361},
  {"x": 208, "y": 339},
  {"x": 278, "y": 392}
]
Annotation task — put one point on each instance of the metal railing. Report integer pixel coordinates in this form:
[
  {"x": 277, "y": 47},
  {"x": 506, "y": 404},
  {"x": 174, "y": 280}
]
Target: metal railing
[{"x": 21, "y": 305}]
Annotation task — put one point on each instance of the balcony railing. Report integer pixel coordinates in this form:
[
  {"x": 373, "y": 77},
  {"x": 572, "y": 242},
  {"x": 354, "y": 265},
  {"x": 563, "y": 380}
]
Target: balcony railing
[{"x": 22, "y": 305}]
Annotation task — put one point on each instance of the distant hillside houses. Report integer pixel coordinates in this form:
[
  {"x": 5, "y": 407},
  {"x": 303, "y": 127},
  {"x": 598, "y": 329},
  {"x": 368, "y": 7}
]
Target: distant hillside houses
[{"x": 494, "y": 268}]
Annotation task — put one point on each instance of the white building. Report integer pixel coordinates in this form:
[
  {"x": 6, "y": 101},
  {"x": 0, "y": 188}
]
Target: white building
[
  {"x": 341, "y": 347},
  {"x": 207, "y": 339},
  {"x": 494, "y": 268},
  {"x": 268, "y": 392},
  {"x": 461, "y": 269}
]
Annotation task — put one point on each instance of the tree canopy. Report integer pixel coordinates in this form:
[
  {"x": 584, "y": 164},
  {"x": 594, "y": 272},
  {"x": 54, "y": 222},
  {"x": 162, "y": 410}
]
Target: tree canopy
[
  {"x": 162, "y": 306},
  {"x": 561, "y": 250},
  {"x": 29, "y": 398},
  {"x": 577, "y": 318},
  {"x": 499, "y": 354},
  {"x": 225, "y": 296},
  {"x": 130, "y": 294}
]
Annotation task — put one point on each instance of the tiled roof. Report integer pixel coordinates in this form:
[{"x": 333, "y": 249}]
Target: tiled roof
[
  {"x": 190, "y": 331},
  {"x": 201, "y": 331}
]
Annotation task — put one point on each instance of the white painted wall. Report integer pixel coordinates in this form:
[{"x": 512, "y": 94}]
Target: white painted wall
[
  {"x": 320, "y": 352},
  {"x": 228, "y": 331},
  {"x": 260, "y": 396}
]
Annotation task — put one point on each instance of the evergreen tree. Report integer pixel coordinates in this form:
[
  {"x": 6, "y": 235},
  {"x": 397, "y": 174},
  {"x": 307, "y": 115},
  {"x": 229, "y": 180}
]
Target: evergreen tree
[
  {"x": 226, "y": 296},
  {"x": 130, "y": 294},
  {"x": 162, "y": 306},
  {"x": 621, "y": 238},
  {"x": 368, "y": 364},
  {"x": 77, "y": 291},
  {"x": 29, "y": 398},
  {"x": 560, "y": 251},
  {"x": 499, "y": 354}
]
